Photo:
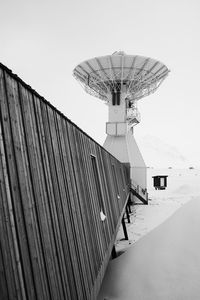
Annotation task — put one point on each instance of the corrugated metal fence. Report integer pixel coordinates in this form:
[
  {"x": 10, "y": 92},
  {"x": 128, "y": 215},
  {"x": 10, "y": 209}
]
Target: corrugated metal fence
[{"x": 54, "y": 182}]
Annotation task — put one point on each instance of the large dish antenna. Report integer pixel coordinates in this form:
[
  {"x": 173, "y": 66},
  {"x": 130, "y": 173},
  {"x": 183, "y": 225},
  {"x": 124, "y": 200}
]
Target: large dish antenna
[{"x": 135, "y": 75}]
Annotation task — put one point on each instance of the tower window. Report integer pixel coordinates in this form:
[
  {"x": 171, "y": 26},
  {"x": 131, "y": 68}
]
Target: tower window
[{"x": 116, "y": 98}]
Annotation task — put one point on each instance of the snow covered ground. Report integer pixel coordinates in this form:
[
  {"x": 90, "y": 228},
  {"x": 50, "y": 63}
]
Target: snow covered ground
[
  {"x": 165, "y": 263},
  {"x": 182, "y": 185}
]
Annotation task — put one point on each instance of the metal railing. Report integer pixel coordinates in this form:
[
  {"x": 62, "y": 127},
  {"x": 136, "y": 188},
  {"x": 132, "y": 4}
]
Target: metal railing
[
  {"x": 139, "y": 190},
  {"x": 133, "y": 115}
]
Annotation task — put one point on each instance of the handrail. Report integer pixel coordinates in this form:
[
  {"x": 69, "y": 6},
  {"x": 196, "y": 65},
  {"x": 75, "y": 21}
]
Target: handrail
[
  {"x": 133, "y": 113},
  {"x": 138, "y": 189}
]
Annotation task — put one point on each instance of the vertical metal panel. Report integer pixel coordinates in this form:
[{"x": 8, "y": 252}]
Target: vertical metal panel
[{"x": 54, "y": 244}]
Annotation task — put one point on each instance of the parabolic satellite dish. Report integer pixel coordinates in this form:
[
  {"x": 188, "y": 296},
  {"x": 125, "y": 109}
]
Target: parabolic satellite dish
[{"x": 135, "y": 75}]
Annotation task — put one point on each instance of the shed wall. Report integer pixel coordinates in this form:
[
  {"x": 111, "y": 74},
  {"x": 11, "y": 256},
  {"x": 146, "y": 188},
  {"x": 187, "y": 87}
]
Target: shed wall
[{"x": 53, "y": 244}]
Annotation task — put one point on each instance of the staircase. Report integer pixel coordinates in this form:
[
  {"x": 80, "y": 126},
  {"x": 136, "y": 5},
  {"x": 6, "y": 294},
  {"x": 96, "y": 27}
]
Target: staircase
[{"x": 139, "y": 192}]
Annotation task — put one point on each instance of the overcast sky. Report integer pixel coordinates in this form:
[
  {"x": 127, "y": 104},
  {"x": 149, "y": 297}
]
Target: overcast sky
[{"x": 42, "y": 41}]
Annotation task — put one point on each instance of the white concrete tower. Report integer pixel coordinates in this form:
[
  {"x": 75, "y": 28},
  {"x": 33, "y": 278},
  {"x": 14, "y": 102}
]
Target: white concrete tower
[
  {"x": 121, "y": 80},
  {"x": 122, "y": 117}
]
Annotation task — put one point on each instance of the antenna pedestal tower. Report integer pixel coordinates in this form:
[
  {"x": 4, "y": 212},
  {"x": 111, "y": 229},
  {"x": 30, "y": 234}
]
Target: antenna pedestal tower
[
  {"x": 120, "y": 141},
  {"x": 121, "y": 80}
]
